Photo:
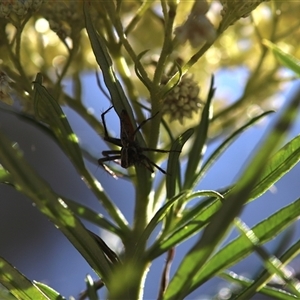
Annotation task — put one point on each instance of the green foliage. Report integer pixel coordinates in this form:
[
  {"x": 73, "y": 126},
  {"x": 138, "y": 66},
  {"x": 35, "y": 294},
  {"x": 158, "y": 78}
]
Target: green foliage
[
  {"x": 163, "y": 208},
  {"x": 21, "y": 287}
]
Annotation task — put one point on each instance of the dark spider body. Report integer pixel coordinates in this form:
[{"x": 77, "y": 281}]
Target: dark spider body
[{"x": 131, "y": 153}]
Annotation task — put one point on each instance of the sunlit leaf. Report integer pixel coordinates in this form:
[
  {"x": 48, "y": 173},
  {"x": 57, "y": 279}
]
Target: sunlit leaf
[
  {"x": 173, "y": 173},
  {"x": 93, "y": 217},
  {"x": 286, "y": 59},
  {"x": 278, "y": 165},
  {"x": 191, "y": 222},
  {"x": 216, "y": 230},
  {"x": 50, "y": 292},
  {"x": 272, "y": 264},
  {"x": 104, "y": 61},
  {"x": 158, "y": 217},
  {"x": 272, "y": 292},
  {"x": 20, "y": 286},
  {"x": 5, "y": 176},
  {"x": 197, "y": 151},
  {"x": 265, "y": 276},
  {"x": 213, "y": 157},
  {"x": 49, "y": 111},
  {"x": 52, "y": 205},
  {"x": 239, "y": 248}
]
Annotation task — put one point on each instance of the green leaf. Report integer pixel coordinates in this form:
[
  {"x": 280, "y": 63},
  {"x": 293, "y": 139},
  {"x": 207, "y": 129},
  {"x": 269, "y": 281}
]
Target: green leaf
[
  {"x": 197, "y": 151},
  {"x": 104, "y": 61},
  {"x": 210, "y": 203},
  {"x": 272, "y": 292},
  {"x": 20, "y": 286},
  {"x": 278, "y": 165},
  {"x": 49, "y": 111},
  {"x": 137, "y": 72},
  {"x": 158, "y": 217},
  {"x": 211, "y": 160},
  {"x": 284, "y": 58},
  {"x": 169, "y": 86},
  {"x": 50, "y": 292},
  {"x": 265, "y": 276},
  {"x": 49, "y": 203},
  {"x": 5, "y": 294},
  {"x": 5, "y": 177},
  {"x": 90, "y": 215},
  {"x": 47, "y": 108},
  {"x": 239, "y": 248},
  {"x": 173, "y": 162},
  {"x": 191, "y": 222},
  {"x": 272, "y": 263},
  {"x": 180, "y": 286},
  {"x": 118, "y": 97}
]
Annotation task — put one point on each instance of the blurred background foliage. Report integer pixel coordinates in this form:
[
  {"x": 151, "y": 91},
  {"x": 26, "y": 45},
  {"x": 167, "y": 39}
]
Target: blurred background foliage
[{"x": 49, "y": 37}]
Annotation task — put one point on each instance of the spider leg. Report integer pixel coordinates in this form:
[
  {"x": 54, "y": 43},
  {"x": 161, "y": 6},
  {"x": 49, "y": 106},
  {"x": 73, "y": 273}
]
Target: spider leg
[
  {"x": 107, "y": 153},
  {"x": 108, "y": 158},
  {"x": 101, "y": 86},
  {"x": 107, "y": 138},
  {"x": 159, "y": 150},
  {"x": 104, "y": 123},
  {"x": 112, "y": 140},
  {"x": 143, "y": 123},
  {"x": 150, "y": 162}
]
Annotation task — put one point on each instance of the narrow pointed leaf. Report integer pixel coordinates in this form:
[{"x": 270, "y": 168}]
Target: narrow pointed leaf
[
  {"x": 158, "y": 217},
  {"x": 271, "y": 262},
  {"x": 197, "y": 151},
  {"x": 286, "y": 59},
  {"x": 180, "y": 286},
  {"x": 272, "y": 292},
  {"x": 90, "y": 215},
  {"x": 30, "y": 184},
  {"x": 49, "y": 111},
  {"x": 173, "y": 163},
  {"x": 48, "y": 291},
  {"x": 278, "y": 165},
  {"x": 192, "y": 222},
  {"x": 118, "y": 97},
  {"x": 239, "y": 248},
  {"x": 210, "y": 161},
  {"x": 20, "y": 286},
  {"x": 104, "y": 61},
  {"x": 265, "y": 276}
]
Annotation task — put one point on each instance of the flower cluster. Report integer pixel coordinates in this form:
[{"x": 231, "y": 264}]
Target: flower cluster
[
  {"x": 233, "y": 10},
  {"x": 183, "y": 100},
  {"x": 19, "y": 7},
  {"x": 197, "y": 29},
  {"x": 64, "y": 17}
]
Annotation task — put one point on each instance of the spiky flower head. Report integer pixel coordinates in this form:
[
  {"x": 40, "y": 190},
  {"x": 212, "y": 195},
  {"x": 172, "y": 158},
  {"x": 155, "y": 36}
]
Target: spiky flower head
[
  {"x": 64, "y": 17},
  {"x": 183, "y": 100},
  {"x": 18, "y": 7}
]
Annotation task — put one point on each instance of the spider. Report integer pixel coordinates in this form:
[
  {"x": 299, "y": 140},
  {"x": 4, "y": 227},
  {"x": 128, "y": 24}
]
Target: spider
[{"x": 131, "y": 152}]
